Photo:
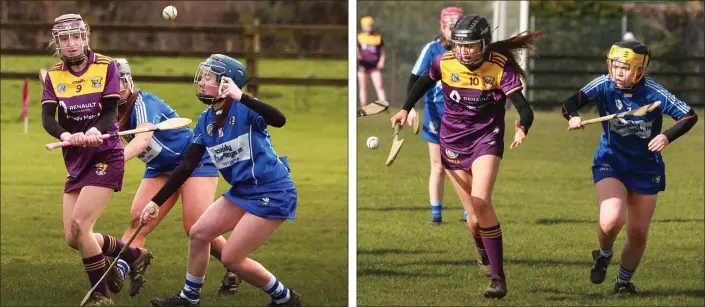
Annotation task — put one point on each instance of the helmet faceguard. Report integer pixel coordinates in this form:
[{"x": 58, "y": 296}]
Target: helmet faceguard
[
  {"x": 70, "y": 35},
  {"x": 210, "y": 73},
  {"x": 630, "y": 58},
  {"x": 125, "y": 78},
  {"x": 470, "y": 30}
]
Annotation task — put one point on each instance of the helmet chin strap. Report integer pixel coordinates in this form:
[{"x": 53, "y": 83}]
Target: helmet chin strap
[{"x": 209, "y": 100}]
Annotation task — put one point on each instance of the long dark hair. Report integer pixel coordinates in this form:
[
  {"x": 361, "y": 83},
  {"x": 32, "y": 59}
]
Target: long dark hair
[
  {"x": 512, "y": 46},
  {"x": 125, "y": 110}
]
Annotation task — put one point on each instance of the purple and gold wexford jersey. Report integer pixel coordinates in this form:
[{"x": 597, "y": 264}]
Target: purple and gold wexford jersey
[
  {"x": 370, "y": 47},
  {"x": 474, "y": 99},
  {"x": 79, "y": 96}
]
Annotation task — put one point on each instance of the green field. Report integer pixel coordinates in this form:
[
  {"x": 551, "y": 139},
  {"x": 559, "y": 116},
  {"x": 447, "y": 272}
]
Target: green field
[
  {"x": 308, "y": 254},
  {"x": 545, "y": 202}
]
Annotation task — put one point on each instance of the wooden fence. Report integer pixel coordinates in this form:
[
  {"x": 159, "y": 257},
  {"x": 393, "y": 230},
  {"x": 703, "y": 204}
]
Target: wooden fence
[{"x": 251, "y": 50}]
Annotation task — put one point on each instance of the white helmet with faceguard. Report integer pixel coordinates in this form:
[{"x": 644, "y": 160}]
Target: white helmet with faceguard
[
  {"x": 70, "y": 33},
  {"x": 125, "y": 76},
  {"x": 627, "y": 62}
]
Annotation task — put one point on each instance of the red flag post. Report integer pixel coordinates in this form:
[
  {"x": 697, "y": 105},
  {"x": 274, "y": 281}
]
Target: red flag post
[{"x": 25, "y": 105}]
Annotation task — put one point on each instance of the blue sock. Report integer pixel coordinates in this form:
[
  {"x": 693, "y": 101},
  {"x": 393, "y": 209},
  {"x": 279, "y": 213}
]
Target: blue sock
[
  {"x": 192, "y": 288},
  {"x": 625, "y": 275},
  {"x": 465, "y": 215},
  {"x": 436, "y": 208},
  {"x": 277, "y": 291},
  {"x": 123, "y": 267}
]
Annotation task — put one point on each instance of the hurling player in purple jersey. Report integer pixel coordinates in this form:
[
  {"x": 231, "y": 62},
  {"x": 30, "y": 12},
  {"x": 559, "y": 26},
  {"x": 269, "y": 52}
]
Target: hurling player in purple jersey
[
  {"x": 370, "y": 59},
  {"x": 478, "y": 77},
  {"x": 85, "y": 88}
]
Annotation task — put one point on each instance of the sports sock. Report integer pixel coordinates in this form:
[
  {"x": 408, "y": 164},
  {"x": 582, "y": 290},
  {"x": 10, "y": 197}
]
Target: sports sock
[
  {"x": 492, "y": 239},
  {"x": 192, "y": 288},
  {"x": 112, "y": 247},
  {"x": 436, "y": 209},
  {"x": 277, "y": 291},
  {"x": 95, "y": 268}
]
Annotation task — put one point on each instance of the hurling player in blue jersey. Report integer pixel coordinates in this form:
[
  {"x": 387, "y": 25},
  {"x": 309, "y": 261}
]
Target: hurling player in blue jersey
[
  {"x": 162, "y": 151},
  {"x": 628, "y": 169},
  {"x": 433, "y": 109},
  {"x": 262, "y": 196}
]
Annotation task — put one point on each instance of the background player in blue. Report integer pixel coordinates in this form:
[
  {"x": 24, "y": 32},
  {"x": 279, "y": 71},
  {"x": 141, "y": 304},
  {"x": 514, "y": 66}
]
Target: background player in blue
[
  {"x": 628, "y": 169},
  {"x": 233, "y": 130},
  {"x": 433, "y": 109},
  {"x": 162, "y": 152}
]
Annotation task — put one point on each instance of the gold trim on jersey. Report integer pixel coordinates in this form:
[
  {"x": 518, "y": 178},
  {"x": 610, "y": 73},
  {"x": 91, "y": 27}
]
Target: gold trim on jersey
[
  {"x": 487, "y": 77},
  {"x": 92, "y": 81},
  {"x": 369, "y": 39}
]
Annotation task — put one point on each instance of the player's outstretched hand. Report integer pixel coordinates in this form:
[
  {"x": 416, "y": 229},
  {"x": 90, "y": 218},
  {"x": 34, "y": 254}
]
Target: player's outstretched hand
[
  {"x": 575, "y": 123},
  {"x": 230, "y": 89},
  {"x": 519, "y": 135},
  {"x": 93, "y": 137},
  {"x": 400, "y": 117},
  {"x": 149, "y": 213},
  {"x": 658, "y": 143}
]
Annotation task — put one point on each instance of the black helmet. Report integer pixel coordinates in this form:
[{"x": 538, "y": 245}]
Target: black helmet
[{"x": 470, "y": 29}]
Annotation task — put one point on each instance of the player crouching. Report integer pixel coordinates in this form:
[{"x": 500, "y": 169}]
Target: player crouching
[{"x": 262, "y": 196}]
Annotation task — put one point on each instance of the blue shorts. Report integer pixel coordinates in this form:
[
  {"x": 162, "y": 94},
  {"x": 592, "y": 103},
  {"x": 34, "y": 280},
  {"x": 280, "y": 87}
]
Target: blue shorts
[
  {"x": 647, "y": 181},
  {"x": 432, "y": 114},
  {"x": 274, "y": 200},
  {"x": 205, "y": 168}
]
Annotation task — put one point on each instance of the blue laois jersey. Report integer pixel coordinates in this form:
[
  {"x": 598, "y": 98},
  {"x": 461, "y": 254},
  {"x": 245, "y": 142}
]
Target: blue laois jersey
[
  {"x": 422, "y": 65},
  {"x": 242, "y": 150},
  {"x": 627, "y": 139},
  {"x": 165, "y": 146}
]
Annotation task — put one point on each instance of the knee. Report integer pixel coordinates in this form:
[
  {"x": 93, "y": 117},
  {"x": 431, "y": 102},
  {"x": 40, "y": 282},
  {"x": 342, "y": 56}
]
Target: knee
[
  {"x": 481, "y": 205},
  {"x": 71, "y": 241},
  {"x": 198, "y": 234},
  {"x": 437, "y": 168},
  {"x": 135, "y": 222},
  {"x": 611, "y": 224},
  {"x": 231, "y": 259},
  {"x": 77, "y": 229},
  {"x": 637, "y": 237}
]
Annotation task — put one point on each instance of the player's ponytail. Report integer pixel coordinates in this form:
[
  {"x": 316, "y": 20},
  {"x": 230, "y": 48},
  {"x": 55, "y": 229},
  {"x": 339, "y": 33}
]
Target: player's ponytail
[
  {"x": 512, "y": 46},
  {"x": 125, "y": 109}
]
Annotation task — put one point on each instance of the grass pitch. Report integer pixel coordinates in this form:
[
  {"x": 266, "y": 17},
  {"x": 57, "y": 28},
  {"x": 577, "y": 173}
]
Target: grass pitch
[
  {"x": 308, "y": 254},
  {"x": 544, "y": 198}
]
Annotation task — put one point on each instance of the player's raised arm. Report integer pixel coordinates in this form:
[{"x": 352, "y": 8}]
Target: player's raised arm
[{"x": 271, "y": 115}]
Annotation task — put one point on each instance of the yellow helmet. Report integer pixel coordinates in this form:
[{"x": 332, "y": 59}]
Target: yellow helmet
[
  {"x": 633, "y": 53},
  {"x": 367, "y": 20}
]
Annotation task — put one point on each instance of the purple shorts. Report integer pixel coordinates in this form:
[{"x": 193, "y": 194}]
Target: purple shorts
[
  {"x": 453, "y": 160},
  {"x": 106, "y": 169},
  {"x": 366, "y": 67}
]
